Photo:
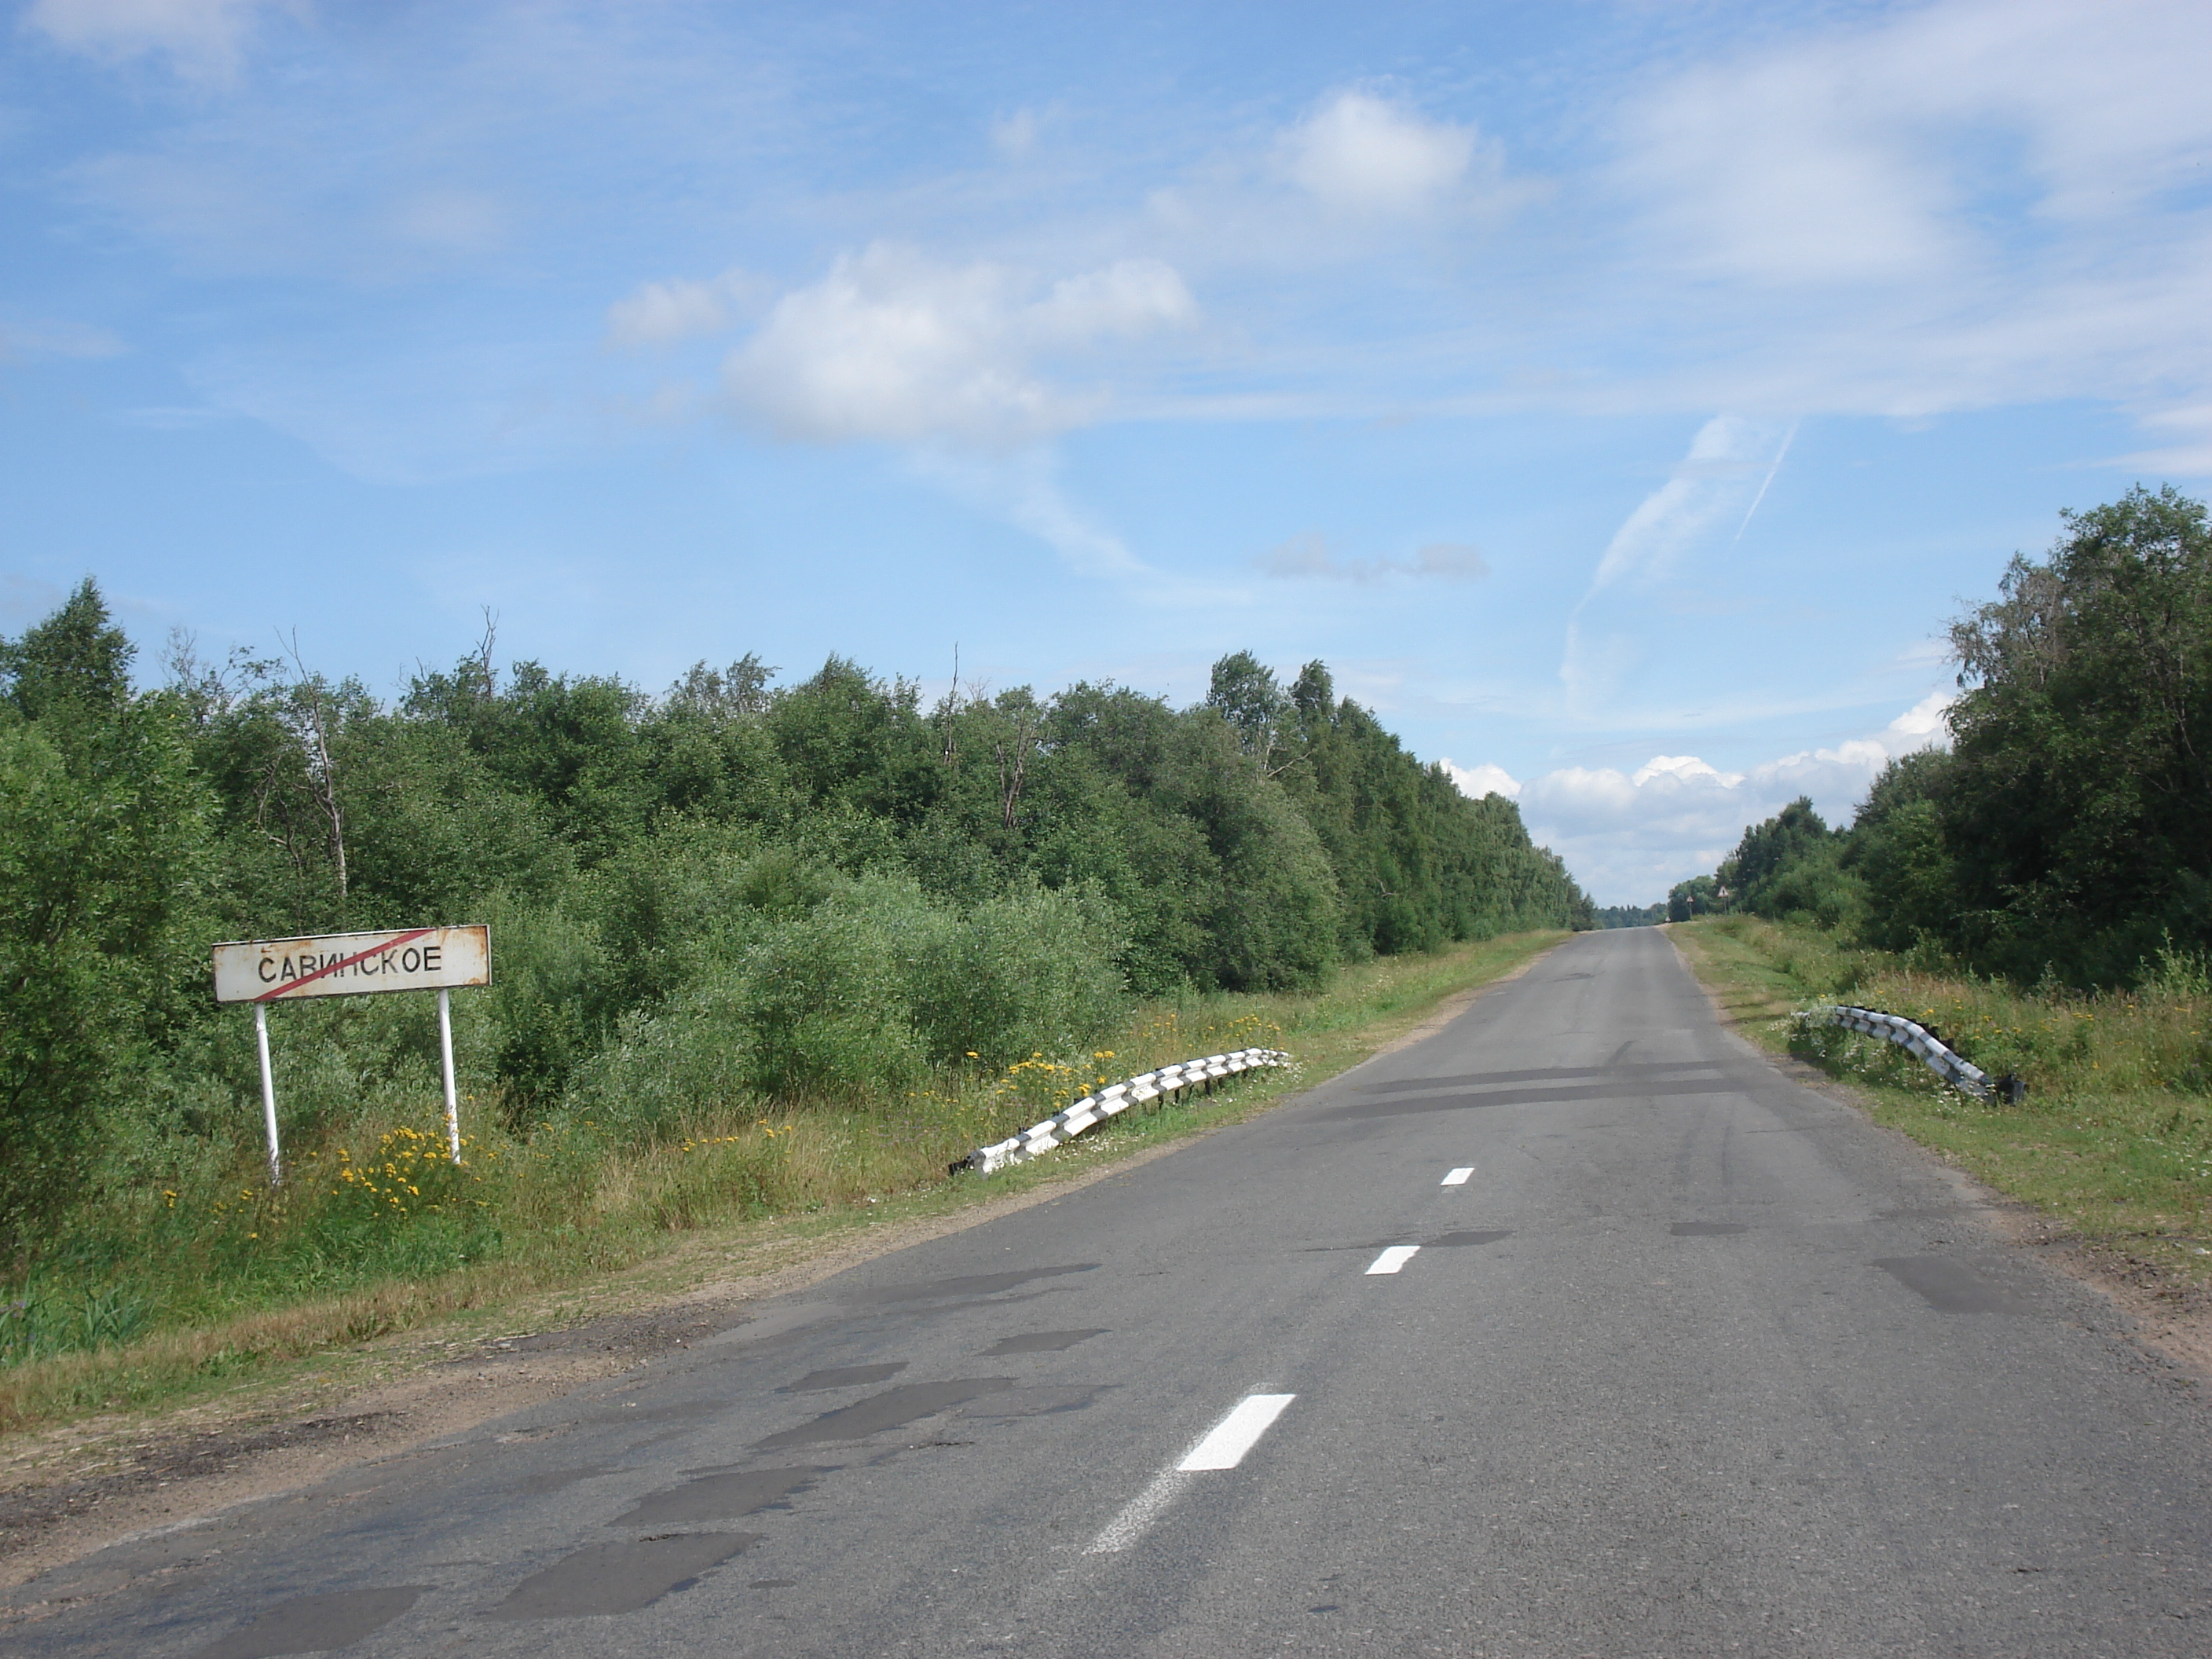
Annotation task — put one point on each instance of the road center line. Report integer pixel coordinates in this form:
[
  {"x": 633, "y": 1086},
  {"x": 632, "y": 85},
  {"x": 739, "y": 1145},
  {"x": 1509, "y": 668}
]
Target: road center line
[
  {"x": 1391, "y": 1260},
  {"x": 1237, "y": 1433},
  {"x": 1459, "y": 1177},
  {"x": 1147, "y": 1507},
  {"x": 1224, "y": 1447}
]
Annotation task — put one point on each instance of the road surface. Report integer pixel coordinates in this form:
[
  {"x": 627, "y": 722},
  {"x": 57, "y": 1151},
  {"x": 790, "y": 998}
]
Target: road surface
[{"x": 1574, "y": 1329}]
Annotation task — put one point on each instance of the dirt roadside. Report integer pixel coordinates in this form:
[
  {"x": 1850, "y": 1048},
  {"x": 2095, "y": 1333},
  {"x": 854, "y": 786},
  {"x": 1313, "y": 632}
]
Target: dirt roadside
[
  {"x": 2172, "y": 1318},
  {"x": 67, "y": 1491}
]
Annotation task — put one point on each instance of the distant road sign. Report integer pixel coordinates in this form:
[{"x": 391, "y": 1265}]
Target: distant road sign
[{"x": 352, "y": 964}]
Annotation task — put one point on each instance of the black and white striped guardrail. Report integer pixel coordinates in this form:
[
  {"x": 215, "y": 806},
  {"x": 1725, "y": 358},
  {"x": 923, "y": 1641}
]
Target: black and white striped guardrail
[
  {"x": 1114, "y": 1098},
  {"x": 1924, "y": 1045}
]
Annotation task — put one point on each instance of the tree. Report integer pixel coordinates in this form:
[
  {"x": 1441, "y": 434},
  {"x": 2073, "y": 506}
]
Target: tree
[
  {"x": 1244, "y": 693},
  {"x": 2079, "y": 811},
  {"x": 1898, "y": 850},
  {"x": 74, "y": 664},
  {"x": 1700, "y": 896},
  {"x": 102, "y": 875}
]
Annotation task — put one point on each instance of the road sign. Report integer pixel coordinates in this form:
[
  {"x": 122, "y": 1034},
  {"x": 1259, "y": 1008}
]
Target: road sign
[
  {"x": 262, "y": 972},
  {"x": 352, "y": 964}
]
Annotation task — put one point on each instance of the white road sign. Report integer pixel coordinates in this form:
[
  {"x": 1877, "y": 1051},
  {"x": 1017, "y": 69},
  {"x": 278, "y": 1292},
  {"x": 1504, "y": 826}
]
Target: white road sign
[{"x": 352, "y": 964}]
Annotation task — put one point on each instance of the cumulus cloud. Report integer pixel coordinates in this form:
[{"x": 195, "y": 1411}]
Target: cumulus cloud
[
  {"x": 1308, "y": 557},
  {"x": 1629, "y": 836},
  {"x": 1361, "y": 154},
  {"x": 1476, "y": 781},
  {"x": 892, "y": 346},
  {"x": 681, "y": 309},
  {"x": 203, "y": 37}
]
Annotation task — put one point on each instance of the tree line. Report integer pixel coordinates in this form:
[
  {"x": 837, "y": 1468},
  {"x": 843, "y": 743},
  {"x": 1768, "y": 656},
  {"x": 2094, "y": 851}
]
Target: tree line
[
  {"x": 2066, "y": 833},
  {"x": 831, "y": 882}
]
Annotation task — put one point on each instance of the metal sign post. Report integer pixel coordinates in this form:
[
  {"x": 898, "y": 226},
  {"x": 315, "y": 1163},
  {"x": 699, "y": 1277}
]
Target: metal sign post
[
  {"x": 268, "y": 1091},
  {"x": 262, "y": 972},
  {"x": 446, "y": 1054}
]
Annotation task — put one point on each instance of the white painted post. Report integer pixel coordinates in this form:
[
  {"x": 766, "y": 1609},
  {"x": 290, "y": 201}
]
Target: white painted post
[
  {"x": 268, "y": 1091},
  {"x": 445, "y": 1053}
]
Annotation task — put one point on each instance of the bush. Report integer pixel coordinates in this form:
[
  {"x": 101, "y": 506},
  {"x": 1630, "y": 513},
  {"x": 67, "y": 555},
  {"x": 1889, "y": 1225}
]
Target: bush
[
  {"x": 1029, "y": 973},
  {"x": 853, "y": 1000}
]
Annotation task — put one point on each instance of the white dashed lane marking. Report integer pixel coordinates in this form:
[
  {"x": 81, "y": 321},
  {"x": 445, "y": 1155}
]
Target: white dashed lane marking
[
  {"x": 1237, "y": 1433},
  {"x": 1459, "y": 1177},
  {"x": 1391, "y": 1260},
  {"x": 1224, "y": 1447}
]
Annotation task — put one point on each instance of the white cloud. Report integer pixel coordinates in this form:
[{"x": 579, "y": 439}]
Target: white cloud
[
  {"x": 1361, "y": 154},
  {"x": 894, "y": 347},
  {"x": 1925, "y": 719},
  {"x": 1683, "y": 769},
  {"x": 1719, "y": 484},
  {"x": 681, "y": 309},
  {"x": 1848, "y": 156},
  {"x": 1628, "y": 836},
  {"x": 1308, "y": 557},
  {"x": 1947, "y": 206},
  {"x": 203, "y": 37},
  {"x": 2191, "y": 457},
  {"x": 1778, "y": 171},
  {"x": 1476, "y": 781},
  {"x": 1023, "y": 487},
  {"x": 1727, "y": 458}
]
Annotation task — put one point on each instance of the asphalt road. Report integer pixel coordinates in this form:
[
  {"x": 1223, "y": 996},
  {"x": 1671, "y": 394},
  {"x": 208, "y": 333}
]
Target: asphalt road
[{"x": 1688, "y": 1360}]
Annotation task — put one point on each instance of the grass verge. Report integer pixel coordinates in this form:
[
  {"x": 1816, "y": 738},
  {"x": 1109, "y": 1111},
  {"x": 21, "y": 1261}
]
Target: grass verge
[
  {"x": 567, "y": 1225},
  {"x": 2115, "y": 1136}
]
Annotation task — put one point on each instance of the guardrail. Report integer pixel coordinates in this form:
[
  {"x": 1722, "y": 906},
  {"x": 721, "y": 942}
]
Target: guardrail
[
  {"x": 1924, "y": 1045},
  {"x": 1064, "y": 1126}
]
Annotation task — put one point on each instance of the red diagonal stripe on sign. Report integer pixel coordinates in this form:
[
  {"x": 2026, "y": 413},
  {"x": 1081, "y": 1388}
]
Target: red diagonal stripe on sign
[{"x": 392, "y": 944}]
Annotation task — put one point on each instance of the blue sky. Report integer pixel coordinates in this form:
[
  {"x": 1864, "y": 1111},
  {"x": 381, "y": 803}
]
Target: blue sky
[{"x": 1619, "y": 397}]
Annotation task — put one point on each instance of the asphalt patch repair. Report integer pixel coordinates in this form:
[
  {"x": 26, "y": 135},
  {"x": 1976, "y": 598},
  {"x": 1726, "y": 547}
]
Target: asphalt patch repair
[
  {"x": 894, "y": 1408},
  {"x": 722, "y": 1497},
  {"x": 844, "y": 1376},
  {"x": 1040, "y": 1342},
  {"x": 604, "y": 1579},
  {"x": 1949, "y": 1285},
  {"x": 971, "y": 1284},
  {"x": 315, "y": 1624}
]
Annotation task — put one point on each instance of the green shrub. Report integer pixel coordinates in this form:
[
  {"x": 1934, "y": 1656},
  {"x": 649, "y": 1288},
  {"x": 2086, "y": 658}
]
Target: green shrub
[{"x": 1032, "y": 972}]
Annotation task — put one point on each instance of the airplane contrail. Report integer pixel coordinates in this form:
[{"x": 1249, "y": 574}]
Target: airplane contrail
[{"x": 1788, "y": 438}]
